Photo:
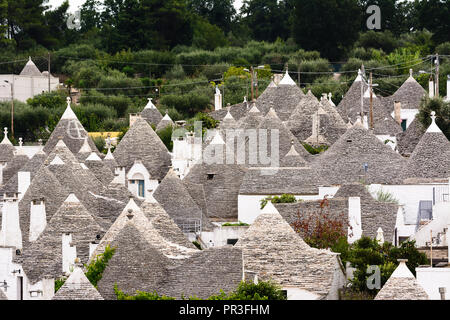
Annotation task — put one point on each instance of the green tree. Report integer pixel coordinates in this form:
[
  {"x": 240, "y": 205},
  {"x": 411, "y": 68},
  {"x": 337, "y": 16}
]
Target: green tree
[
  {"x": 328, "y": 26},
  {"x": 218, "y": 12},
  {"x": 267, "y": 19},
  {"x": 95, "y": 269},
  {"x": 433, "y": 15}
]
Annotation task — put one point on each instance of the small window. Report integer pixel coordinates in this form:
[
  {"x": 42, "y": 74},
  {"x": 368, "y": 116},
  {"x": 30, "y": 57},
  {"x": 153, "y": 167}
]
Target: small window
[
  {"x": 349, "y": 140},
  {"x": 210, "y": 176},
  {"x": 232, "y": 241}
]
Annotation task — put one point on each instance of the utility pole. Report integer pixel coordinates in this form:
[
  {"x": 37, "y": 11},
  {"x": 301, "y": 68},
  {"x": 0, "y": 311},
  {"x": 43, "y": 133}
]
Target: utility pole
[
  {"x": 12, "y": 108},
  {"x": 256, "y": 84},
  {"x": 371, "y": 102},
  {"x": 362, "y": 96},
  {"x": 251, "y": 74},
  {"x": 437, "y": 75},
  {"x": 48, "y": 71}
]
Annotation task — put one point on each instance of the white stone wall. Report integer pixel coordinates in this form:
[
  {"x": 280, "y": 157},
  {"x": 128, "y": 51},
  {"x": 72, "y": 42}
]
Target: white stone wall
[
  {"x": 408, "y": 114},
  {"x": 409, "y": 196},
  {"x": 25, "y": 87},
  {"x": 431, "y": 279},
  {"x": 219, "y": 236}
]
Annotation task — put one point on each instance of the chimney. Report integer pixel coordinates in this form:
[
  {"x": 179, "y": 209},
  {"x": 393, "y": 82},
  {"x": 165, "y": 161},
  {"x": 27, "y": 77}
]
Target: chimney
[
  {"x": 448, "y": 88},
  {"x": 442, "y": 291},
  {"x": 119, "y": 173},
  {"x": 398, "y": 112},
  {"x": 38, "y": 219},
  {"x": 92, "y": 246},
  {"x": 366, "y": 123},
  {"x": 217, "y": 100},
  {"x": 69, "y": 252},
  {"x": 133, "y": 117},
  {"x": 380, "y": 236},
  {"x": 11, "y": 234},
  {"x": 23, "y": 181},
  {"x": 354, "y": 217},
  {"x": 431, "y": 88},
  {"x": 2, "y": 166}
]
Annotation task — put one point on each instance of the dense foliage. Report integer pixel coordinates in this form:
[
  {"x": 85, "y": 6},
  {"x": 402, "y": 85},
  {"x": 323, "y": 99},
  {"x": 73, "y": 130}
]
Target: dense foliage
[
  {"x": 177, "y": 51},
  {"x": 263, "y": 290},
  {"x": 442, "y": 110},
  {"x": 94, "y": 271},
  {"x": 284, "y": 198}
]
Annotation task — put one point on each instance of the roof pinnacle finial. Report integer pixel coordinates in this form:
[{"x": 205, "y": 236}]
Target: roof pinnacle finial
[
  {"x": 433, "y": 126},
  {"x": 20, "y": 142},
  {"x": 5, "y": 131},
  {"x": 410, "y": 72},
  {"x": 68, "y": 100}
]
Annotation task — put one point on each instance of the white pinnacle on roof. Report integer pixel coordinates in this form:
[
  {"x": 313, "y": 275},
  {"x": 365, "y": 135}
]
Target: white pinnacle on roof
[
  {"x": 292, "y": 151},
  {"x": 85, "y": 148},
  {"x": 57, "y": 161},
  {"x": 5, "y": 138},
  {"x": 269, "y": 208},
  {"x": 367, "y": 94},
  {"x": 402, "y": 270},
  {"x": 166, "y": 117},
  {"x": 359, "y": 77},
  {"x": 228, "y": 116},
  {"x": 217, "y": 139},
  {"x": 150, "y": 104},
  {"x": 109, "y": 155},
  {"x": 72, "y": 198},
  {"x": 60, "y": 143},
  {"x": 93, "y": 157},
  {"x": 329, "y": 99},
  {"x": 254, "y": 109},
  {"x": 68, "y": 114},
  {"x": 287, "y": 80},
  {"x": 433, "y": 126}
]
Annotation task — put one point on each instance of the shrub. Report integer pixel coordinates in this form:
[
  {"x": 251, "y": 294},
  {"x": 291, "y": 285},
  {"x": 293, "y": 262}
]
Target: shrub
[
  {"x": 177, "y": 72},
  {"x": 284, "y": 198},
  {"x": 96, "y": 267},
  {"x": 140, "y": 295},
  {"x": 49, "y": 100}
]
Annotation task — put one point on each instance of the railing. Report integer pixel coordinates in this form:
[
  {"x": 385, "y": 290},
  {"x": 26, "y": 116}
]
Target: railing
[
  {"x": 440, "y": 194},
  {"x": 189, "y": 225}
]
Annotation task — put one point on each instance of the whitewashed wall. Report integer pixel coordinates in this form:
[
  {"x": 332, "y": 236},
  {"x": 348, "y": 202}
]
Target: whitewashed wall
[
  {"x": 221, "y": 234},
  {"x": 408, "y": 114},
  {"x": 431, "y": 279},
  {"x": 25, "y": 87}
]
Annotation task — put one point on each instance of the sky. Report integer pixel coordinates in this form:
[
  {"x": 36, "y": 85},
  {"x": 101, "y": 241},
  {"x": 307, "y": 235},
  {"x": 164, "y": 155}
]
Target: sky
[{"x": 74, "y": 4}]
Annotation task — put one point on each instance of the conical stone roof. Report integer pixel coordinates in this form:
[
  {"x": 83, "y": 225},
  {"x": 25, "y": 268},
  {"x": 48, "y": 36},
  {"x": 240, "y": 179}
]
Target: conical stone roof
[
  {"x": 431, "y": 156},
  {"x": 30, "y": 69},
  {"x": 344, "y": 161},
  {"x": 142, "y": 143},
  {"x": 151, "y": 114},
  {"x": 71, "y": 131},
  {"x": 44, "y": 257},
  {"x": 402, "y": 285},
  {"x": 176, "y": 200},
  {"x": 292, "y": 262},
  {"x": 77, "y": 287},
  {"x": 408, "y": 140}
]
